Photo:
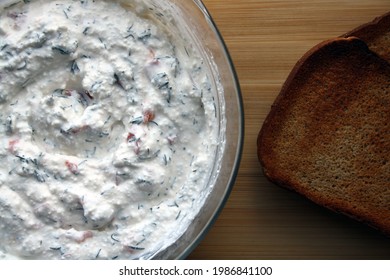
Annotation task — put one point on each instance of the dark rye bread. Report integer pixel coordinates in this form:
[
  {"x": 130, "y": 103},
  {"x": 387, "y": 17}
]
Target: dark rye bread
[
  {"x": 327, "y": 135},
  {"x": 376, "y": 34}
]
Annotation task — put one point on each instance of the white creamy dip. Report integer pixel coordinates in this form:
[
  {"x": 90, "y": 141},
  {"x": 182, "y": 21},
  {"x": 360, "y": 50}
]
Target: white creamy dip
[{"x": 108, "y": 130}]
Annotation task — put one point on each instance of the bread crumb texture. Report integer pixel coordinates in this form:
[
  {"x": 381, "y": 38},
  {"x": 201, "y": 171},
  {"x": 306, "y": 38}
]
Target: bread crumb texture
[{"x": 327, "y": 135}]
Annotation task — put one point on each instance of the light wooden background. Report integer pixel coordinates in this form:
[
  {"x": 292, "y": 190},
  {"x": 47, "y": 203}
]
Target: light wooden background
[{"x": 260, "y": 220}]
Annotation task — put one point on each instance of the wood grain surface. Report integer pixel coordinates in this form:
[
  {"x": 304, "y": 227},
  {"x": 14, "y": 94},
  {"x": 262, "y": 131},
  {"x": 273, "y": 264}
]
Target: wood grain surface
[{"x": 265, "y": 38}]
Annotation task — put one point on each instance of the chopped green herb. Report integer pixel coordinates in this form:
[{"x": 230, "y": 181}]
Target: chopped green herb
[
  {"x": 98, "y": 253},
  {"x": 74, "y": 67},
  {"x": 61, "y": 50},
  {"x": 136, "y": 248}
]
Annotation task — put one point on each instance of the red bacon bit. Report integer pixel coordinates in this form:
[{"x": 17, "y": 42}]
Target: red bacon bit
[
  {"x": 130, "y": 136},
  {"x": 76, "y": 130},
  {"x": 79, "y": 237},
  {"x": 85, "y": 235},
  {"x": 68, "y": 92},
  {"x": 11, "y": 145},
  {"x": 152, "y": 55},
  {"x": 72, "y": 167},
  {"x": 155, "y": 61},
  {"x": 137, "y": 147},
  {"x": 171, "y": 140},
  {"x": 148, "y": 116}
]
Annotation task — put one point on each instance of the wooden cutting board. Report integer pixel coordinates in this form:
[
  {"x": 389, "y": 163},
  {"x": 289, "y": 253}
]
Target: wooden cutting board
[{"x": 260, "y": 220}]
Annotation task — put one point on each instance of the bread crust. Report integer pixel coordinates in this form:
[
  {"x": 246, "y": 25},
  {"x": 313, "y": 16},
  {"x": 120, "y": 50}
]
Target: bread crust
[
  {"x": 327, "y": 135},
  {"x": 376, "y": 34}
]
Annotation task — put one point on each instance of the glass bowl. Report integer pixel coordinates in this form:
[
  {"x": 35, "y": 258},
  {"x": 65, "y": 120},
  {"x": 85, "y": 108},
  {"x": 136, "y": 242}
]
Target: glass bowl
[
  {"x": 190, "y": 21},
  {"x": 194, "y": 19}
]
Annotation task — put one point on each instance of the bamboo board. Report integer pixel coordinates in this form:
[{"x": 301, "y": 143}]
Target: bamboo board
[{"x": 260, "y": 220}]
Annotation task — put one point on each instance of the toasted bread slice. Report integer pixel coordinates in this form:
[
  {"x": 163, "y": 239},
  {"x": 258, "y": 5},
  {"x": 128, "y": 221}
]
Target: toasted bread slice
[
  {"x": 376, "y": 34},
  {"x": 327, "y": 135}
]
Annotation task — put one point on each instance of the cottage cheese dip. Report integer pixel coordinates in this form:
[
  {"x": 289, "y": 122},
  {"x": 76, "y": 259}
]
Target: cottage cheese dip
[{"x": 108, "y": 130}]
